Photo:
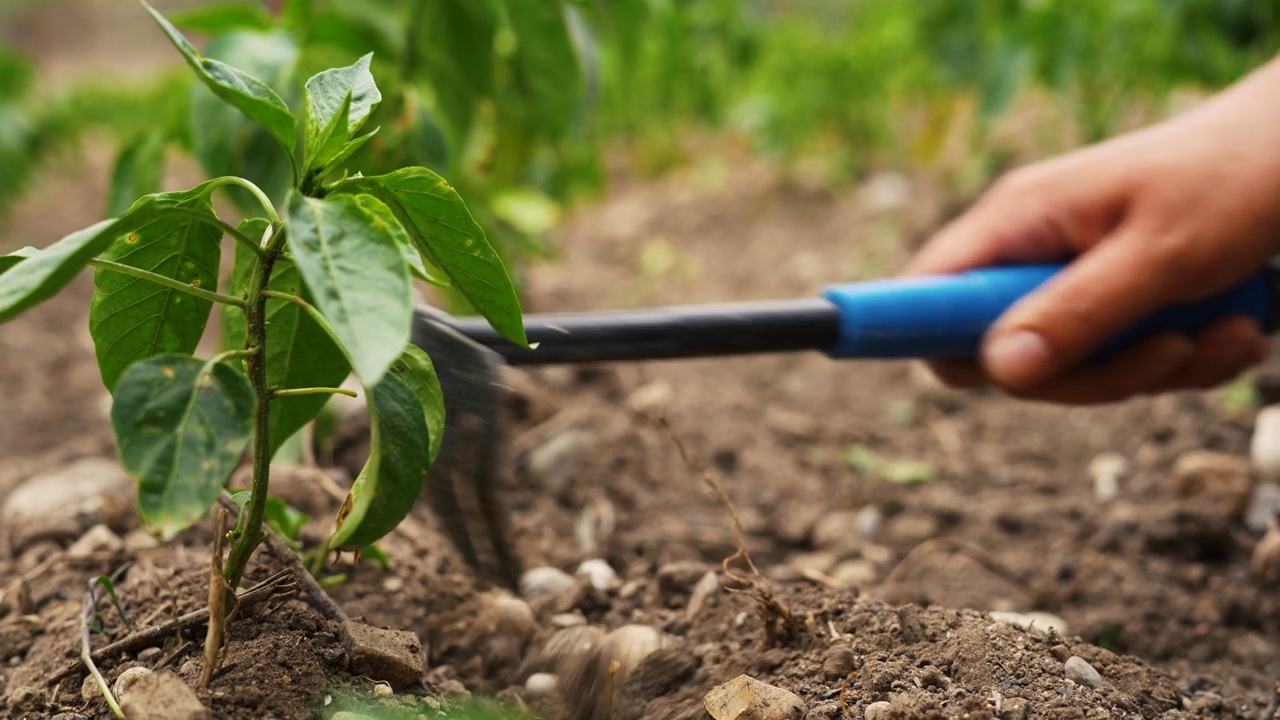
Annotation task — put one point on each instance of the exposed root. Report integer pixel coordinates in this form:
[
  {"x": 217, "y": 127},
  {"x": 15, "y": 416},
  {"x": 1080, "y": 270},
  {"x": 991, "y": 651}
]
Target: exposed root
[
  {"x": 844, "y": 693},
  {"x": 780, "y": 625}
]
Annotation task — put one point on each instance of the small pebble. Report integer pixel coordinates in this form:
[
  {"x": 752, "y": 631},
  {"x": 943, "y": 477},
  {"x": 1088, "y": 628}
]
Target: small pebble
[
  {"x": 393, "y": 584},
  {"x": 96, "y": 541},
  {"x": 879, "y": 710},
  {"x": 541, "y": 684},
  {"x": 1080, "y": 672},
  {"x": 746, "y": 698},
  {"x": 1106, "y": 470},
  {"x": 383, "y": 690},
  {"x": 127, "y": 680},
  {"x": 704, "y": 592},
  {"x": 149, "y": 655},
  {"x": 1264, "y": 502},
  {"x": 679, "y": 577},
  {"x": 599, "y": 573},
  {"x": 545, "y": 582},
  {"x": 1264, "y": 449}
]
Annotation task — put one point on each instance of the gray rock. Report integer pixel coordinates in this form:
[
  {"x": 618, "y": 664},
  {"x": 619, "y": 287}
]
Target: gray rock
[
  {"x": 163, "y": 696},
  {"x": 879, "y": 710},
  {"x": 545, "y": 582},
  {"x": 745, "y": 698},
  {"x": 394, "y": 656},
  {"x": 1264, "y": 448},
  {"x": 1080, "y": 672},
  {"x": 97, "y": 541},
  {"x": 599, "y": 573},
  {"x": 61, "y": 504},
  {"x": 553, "y": 464},
  {"x": 704, "y": 593},
  {"x": 127, "y": 681},
  {"x": 1264, "y": 502},
  {"x": 541, "y": 684}
]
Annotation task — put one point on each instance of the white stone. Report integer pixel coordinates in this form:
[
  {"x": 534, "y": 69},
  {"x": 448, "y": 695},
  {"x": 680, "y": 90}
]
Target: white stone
[
  {"x": 1264, "y": 448},
  {"x": 1080, "y": 672},
  {"x": 599, "y": 573},
  {"x": 545, "y": 581},
  {"x": 1106, "y": 470}
]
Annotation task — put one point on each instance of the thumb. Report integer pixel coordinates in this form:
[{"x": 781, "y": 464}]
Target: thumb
[{"x": 1102, "y": 292}]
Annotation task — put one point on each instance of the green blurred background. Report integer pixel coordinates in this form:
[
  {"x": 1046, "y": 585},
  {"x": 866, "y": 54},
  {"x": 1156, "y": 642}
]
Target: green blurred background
[{"x": 529, "y": 106}]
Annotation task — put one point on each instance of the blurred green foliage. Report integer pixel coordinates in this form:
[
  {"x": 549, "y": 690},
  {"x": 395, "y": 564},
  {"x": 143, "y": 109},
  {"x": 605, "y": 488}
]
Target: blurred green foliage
[{"x": 513, "y": 100}]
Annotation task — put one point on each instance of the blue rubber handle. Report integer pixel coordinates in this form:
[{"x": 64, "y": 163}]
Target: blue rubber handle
[{"x": 947, "y": 316}]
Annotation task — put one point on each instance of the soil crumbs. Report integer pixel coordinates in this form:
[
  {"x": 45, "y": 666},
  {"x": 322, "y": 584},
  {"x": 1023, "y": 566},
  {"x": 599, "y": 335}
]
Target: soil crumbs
[{"x": 939, "y": 555}]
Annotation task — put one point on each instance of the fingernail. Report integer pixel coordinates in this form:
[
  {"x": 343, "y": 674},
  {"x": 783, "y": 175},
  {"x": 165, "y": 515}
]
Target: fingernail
[{"x": 1018, "y": 358}]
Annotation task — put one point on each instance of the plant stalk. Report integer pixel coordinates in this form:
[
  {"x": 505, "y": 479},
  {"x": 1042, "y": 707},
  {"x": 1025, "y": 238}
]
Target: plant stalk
[
  {"x": 247, "y": 540},
  {"x": 295, "y": 392}
]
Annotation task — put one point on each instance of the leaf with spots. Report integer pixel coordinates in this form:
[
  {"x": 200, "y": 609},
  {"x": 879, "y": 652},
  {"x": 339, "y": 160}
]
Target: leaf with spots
[
  {"x": 50, "y": 269},
  {"x": 180, "y": 426},
  {"x": 448, "y": 236},
  {"x": 349, "y": 257},
  {"x": 132, "y": 319},
  {"x": 399, "y": 457}
]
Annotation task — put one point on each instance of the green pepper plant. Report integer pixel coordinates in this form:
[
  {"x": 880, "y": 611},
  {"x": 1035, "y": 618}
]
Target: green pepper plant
[{"x": 320, "y": 288}]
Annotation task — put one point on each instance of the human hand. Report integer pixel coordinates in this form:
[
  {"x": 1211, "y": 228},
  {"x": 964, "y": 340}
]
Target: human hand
[{"x": 1171, "y": 213}]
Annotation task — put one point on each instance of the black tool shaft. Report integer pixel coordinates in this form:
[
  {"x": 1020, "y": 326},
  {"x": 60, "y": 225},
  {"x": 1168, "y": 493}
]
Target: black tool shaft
[{"x": 661, "y": 333}]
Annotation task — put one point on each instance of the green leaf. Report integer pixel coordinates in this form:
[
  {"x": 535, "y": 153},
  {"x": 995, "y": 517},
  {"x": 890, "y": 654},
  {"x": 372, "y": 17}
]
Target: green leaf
[
  {"x": 339, "y": 102},
  {"x": 299, "y": 352},
  {"x": 180, "y": 426},
  {"x": 131, "y": 319},
  {"x": 545, "y": 65},
  {"x": 138, "y": 171},
  {"x": 285, "y": 519},
  {"x": 228, "y": 143},
  {"x": 350, "y": 259},
  {"x": 412, "y": 258},
  {"x": 415, "y": 368},
  {"x": 222, "y": 18},
  {"x": 389, "y": 485},
  {"x": 49, "y": 270},
  {"x": 448, "y": 236},
  {"x": 237, "y": 88},
  {"x": 17, "y": 256}
]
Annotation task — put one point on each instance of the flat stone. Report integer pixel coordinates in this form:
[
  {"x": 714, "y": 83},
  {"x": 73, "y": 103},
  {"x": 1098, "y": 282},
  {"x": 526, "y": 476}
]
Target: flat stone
[
  {"x": 163, "y": 696},
  {"x": 97, "y": 541},
  {"x": 61, "y": 504},
  {"x": 396, "y": 657},
  {"x": 745, "y": 698}
]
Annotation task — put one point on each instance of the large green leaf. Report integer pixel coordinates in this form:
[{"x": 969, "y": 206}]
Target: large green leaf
[
  {"x": 449, "y": 237},
  {"x": 350, "y": 259},
  {"x": 227, "y": 142},
  {"x": 299, "y": 352},
  {"x": 180, "y": 426},
  {"x": 415, "y": 368},
  {"x": 49, "y": 270},
  {"x": 392, "y": 479},
  {"x": 138, "y": 170},
  {"x": 221, "y": 18},
  {"x": 131, "y": 319},
  {"x": 545, "y": 65},
  {"x": 237, "y": 88},
  {"x": 17, "y": 256}
]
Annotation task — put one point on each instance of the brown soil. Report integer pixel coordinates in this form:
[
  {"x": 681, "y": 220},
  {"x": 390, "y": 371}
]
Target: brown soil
[{"x": 1153, "y": 584}]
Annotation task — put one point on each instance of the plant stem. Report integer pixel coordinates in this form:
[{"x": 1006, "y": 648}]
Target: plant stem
[
  {"x": 167, "y": 282},
  {"x": 255, "y": 313},
  {"x": 226, "y": 229},
  {"x": 254, "y": 190},
  {"x": 309, "y": 309},
  {"x": 294, "y": 392}
]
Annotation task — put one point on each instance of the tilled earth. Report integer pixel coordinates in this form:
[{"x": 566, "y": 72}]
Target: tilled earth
[{"x": 887, "y": 518}]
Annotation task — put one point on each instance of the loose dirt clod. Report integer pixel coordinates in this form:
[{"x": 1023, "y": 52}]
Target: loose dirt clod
[{"x": 394, "y": 656}]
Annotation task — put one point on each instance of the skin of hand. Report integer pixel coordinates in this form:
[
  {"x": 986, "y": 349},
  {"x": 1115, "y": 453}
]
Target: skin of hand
[{"x": 1170, "y": 213}]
